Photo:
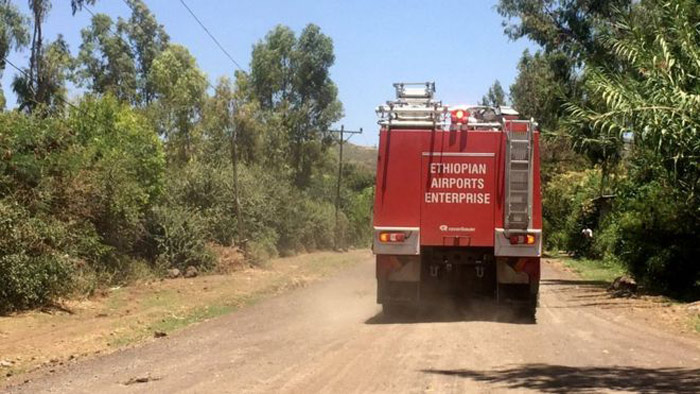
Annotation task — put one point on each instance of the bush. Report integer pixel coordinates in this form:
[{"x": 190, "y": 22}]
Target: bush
[
  {"x": 658, "y": 238},
  {"x": 33, "y": 270},
  {"x": 568, "y": 208},
  {"x": 75, "y": 193},
  {"x": 208, "y": 189},
  {"x": 181, "y": 235}
]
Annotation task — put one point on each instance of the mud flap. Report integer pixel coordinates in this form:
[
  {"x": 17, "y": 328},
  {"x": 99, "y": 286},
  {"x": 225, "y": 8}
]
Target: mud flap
[{"x": 398, "y": 279}]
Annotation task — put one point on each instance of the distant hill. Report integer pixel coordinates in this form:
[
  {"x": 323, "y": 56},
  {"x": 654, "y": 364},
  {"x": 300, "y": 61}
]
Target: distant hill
[{"x": 360, "y": 155}]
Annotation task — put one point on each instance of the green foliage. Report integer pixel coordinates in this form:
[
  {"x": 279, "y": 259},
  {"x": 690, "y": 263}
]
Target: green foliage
[
  {"x": 89, "y": 197},
  {"x": 180, "y": 235},
  {"x": 77, "y": 5},
  {"x": 107, "y": 62},
  {"x": 124, "y": 177},
  {"x": 13, "y": 35},
  {"x": 627, "y": 74},
  {"x": 570, "y": 27},
  {"x": 359, "y": 216},
  {"x": 290, "y": 77},
  {"x": 657, "y": 97},
  {"x": 180, "y": 87},
  {"x": 568, "y": 208},
  {"x": 542, "y": 85},
  {"x": 495, "y": 97},
  {"x": 80, "y": 190},
  {"x": 33, "y": 271},
  {"x": 148, "y": 40},
  {"x": 658, "y": 238},
  {"x": 651, "y": 93},
  {"x": 43, "y": 85}
]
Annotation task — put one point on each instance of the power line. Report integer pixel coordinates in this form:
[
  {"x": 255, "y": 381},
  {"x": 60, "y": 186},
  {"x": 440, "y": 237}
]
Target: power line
[
  {"x": 235, "y": 63},
  {"x": 125, "y": 42},
  {"x": 61, "y": 99}
]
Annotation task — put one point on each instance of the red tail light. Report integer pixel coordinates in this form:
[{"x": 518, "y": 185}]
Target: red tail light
[
  {"x": 459, "y": 116},
  {"x": 392, "y": 236},
  {"x": 522, "y": 239}
]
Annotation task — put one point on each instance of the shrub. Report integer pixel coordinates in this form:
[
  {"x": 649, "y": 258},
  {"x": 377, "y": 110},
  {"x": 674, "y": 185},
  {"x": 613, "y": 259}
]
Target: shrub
[
  {"x": 658, "y": 238},
  {"x": 567, "y": 208},
  {"x": 33, "y": 270},
  {"x": 181, "y": 235}
]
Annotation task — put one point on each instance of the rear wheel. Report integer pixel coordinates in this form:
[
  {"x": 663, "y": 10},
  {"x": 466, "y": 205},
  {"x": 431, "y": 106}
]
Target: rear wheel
[
  {"x": 529, "y": 310},
  {"x": 390, "y": 310},
  {"x": 395, "y": 310}
]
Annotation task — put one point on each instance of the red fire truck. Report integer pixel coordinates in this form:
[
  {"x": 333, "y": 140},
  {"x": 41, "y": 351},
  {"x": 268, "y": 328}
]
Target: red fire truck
[{"x": 457, "y": 210}]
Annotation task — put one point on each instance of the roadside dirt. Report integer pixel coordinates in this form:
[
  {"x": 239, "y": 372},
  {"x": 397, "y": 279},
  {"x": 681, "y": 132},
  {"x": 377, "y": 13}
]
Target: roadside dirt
[
  {"x": 130, "y": 315},
  {"x": 332, "y": 337},
  {"x": 655, "y": 311}
]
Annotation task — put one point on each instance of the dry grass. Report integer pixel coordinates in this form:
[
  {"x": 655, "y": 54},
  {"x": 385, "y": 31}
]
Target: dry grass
[{"x": 130, "y": 315}]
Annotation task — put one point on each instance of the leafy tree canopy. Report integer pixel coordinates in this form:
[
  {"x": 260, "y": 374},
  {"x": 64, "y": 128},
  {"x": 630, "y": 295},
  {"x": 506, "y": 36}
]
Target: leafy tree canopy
[{"x": 495, "y": 96}]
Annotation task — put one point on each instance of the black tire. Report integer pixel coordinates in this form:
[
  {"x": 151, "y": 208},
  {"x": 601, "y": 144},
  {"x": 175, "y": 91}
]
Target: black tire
[
  {"x": 390, "y": 310},
  {"x": 529, "y": 311},
  {"x": 394, "y": 310}
]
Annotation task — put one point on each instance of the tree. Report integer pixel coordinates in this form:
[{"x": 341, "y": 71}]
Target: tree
[
  {"x": 567, "y": 26},
  {"x": 30, "y": 88},
  {"x": 46, "y": 86},
  {"x": 652, "y": 92},
  {"x": 231, "y": 108},
  {"x": 43, "y": 83},
  {"x": 148, "y": 40},
  {"x": 291, "y": 76},
  {"x": 568, "y": 32},
  {"x": 541, "y": 87},
  {"x": 495, "y": 97},
  {"x": 106, "y": 59},
  {"x": 13, "y": 35},
  {"x": 179, "y": 86},
  {"x": 250, "y": 130},
  {"x": 78, "y": 5}
]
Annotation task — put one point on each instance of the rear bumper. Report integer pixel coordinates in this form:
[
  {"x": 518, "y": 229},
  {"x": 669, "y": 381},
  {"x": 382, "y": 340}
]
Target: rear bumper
[{"x": 462, "y": 273}]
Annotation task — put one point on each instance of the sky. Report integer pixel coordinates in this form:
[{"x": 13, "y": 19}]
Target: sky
[{"x": 458, "y": 44}]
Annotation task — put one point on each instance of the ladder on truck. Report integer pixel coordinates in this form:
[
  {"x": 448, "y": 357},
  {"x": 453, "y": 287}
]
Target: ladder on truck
[
  {"x": 414, "y": 107},
  {"x": 518, "y": 204}
]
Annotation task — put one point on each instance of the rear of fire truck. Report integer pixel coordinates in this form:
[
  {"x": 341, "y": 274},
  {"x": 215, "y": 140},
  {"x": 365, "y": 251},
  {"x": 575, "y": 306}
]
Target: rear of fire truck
[{"x": 457, "y": 211}]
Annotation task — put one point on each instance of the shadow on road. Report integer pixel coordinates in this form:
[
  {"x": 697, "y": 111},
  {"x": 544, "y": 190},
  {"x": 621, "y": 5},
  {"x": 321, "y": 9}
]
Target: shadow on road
[
  {"x": 445, "y": 313},
  {"x": 563, "y": 379},
  {"x": 574, "y": 282}
]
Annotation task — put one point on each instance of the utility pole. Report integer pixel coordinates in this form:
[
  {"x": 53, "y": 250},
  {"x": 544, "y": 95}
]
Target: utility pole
[
  {"x": 341, "y": 141},
  {"x": 234, "y": 162}
]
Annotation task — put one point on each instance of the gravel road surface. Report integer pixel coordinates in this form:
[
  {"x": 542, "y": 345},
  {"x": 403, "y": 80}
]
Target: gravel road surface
[{"x": 332, "y": 337}]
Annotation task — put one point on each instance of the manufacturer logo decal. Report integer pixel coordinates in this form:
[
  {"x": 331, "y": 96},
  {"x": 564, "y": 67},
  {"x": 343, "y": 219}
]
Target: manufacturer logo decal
[{"x": 444, "y": 227}]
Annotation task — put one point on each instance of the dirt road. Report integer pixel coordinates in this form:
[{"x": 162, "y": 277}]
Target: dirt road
[{"x": 332, "y": 337}]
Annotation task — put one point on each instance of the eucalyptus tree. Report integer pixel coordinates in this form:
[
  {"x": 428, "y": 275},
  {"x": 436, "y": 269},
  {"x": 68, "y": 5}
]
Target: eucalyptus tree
[
  {"x": 180, "y": 89},
  {"x": 290, "y": 77},
  {"x": 567, "y": 26},
  {"x": 42, "y": 84},
  {"x": 495, "y": 97},
  {"x": 13, "y": 35},
  {"x": 106, "y": 61},
  {"x": 45, "y": 86},
  {"x": 148, "y": 40}
]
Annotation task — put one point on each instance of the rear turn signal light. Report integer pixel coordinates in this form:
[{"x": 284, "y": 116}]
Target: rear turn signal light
[
  {"x": 522, "y": 239},
  {"x": 392, "y": 237},
  {"x": 459, "y": 116}
]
